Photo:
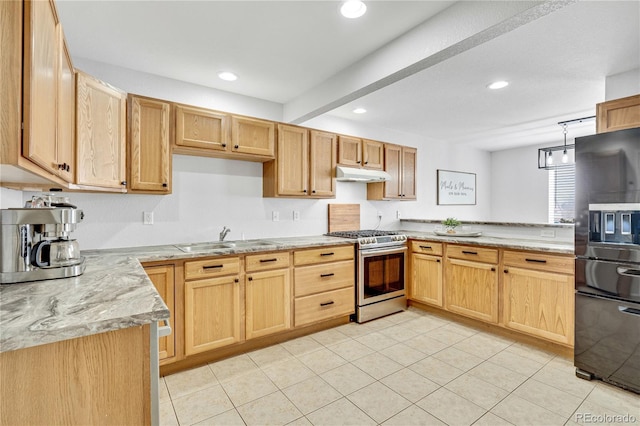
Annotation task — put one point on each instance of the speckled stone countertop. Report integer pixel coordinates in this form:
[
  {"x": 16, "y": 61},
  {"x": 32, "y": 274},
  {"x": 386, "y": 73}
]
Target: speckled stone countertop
[
  {"x": 113, "y": 293},
  {"x": 475, "y": 222},
  {"x": 510, "y": 243}
]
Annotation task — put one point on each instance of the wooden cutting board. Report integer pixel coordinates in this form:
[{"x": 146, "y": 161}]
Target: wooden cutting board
[{"x": 344, "y": 217}]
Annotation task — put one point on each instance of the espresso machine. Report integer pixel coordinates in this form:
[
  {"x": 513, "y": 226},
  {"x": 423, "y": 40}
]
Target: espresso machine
[{"x": 35, "y": 241}]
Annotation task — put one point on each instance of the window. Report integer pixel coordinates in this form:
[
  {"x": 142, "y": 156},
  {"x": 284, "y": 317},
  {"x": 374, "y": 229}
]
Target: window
[{"x": 562, "y": 189}]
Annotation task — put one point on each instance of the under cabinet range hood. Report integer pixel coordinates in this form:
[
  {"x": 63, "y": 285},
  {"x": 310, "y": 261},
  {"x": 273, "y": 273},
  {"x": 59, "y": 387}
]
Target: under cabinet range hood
[{"x": 350, "y": 174}]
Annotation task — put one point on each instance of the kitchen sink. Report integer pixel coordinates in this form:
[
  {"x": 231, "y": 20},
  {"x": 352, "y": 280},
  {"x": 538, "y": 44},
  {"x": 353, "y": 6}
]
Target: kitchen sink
[{"x": 204, "y": 247}]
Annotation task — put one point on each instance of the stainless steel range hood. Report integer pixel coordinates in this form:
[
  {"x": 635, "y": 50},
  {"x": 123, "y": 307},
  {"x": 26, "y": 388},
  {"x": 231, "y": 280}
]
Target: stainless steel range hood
[{"x": 350, "y": 174}]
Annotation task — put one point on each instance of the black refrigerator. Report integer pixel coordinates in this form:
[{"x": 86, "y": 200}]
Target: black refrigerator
[{"x": 607, "y": 247}]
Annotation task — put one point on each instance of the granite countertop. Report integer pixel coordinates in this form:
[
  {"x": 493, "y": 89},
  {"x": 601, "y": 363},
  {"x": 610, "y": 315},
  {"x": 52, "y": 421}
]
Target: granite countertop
[
  {"x": 501, "y": 242},
  {"x": 113, "y": 293}
]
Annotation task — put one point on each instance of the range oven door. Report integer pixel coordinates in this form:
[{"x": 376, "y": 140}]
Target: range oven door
[{"x": 381, "y": 274}]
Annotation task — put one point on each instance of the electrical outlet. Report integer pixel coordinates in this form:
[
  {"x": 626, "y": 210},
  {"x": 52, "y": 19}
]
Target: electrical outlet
[
  {"x": 296, "y": 215},
  {"x": 379, "y": 214},
  {"x": 147, "y": 218},
  {"x": 275, "y": 216},
  {"x": 548, "y": 233},
  {"x": 397, "y": 214}
]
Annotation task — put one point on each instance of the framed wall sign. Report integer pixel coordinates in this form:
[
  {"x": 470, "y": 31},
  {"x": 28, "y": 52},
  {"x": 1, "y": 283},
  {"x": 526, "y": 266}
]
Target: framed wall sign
[{"x": 456, "y": 188}]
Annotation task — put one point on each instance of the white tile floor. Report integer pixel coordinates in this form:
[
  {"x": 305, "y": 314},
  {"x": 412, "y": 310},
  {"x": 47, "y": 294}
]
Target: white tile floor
[{"x": 410, "y": 368}]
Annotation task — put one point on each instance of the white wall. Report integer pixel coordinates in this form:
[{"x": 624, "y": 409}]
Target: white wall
[
  {"x": 622, "y": 85},
  {"x": 519, "y": 190},
  {"x": 210, "y": 193}
]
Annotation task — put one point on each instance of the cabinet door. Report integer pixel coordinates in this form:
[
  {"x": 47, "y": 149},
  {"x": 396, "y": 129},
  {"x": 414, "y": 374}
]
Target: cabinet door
[
  {"x": 393, "y": 166},
  {"x": 252, "y": 136},
  {"x": 426, "y": 279},
  {"x": 349, "y": 151},
  {"x": 101, "y": 135},
  {"x": 539, "y": 303},
  {"x": 41, "y": 58},
  {"x": 201, "y": 128},
  {"x": 373, "y": 155},
  {"x": 268, "y": 302},
  {"x": 618, "y": 114},
  {"x": 293, "y": 161},
  {"x": 408, "y": 173},
  {"x": 149, "y": 147},
  {"x": 211, "y": 313},
  {"x": 472, "y": 289},
  {"x": 66, "y": 143},
  {"x": 322, "y": 164},
  {"x": 163, "y": 279}
]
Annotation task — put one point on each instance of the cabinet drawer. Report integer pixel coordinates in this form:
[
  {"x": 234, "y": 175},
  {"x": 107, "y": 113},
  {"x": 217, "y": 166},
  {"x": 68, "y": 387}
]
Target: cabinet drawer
[
  {"x": 475, "y": 254},
  {"x": 262, "y": 262},
  {"x": 322, "y": 255},
  {"x": 216, "y": 267},
  {"x": 426, "y": 247},
  {"x": 324, "y": 277},
  {"x": 323, "y": 306},
  {"x": 539, "y": 261}
]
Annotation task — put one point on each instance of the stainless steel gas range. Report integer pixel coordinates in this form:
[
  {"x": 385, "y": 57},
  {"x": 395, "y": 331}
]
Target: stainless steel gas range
[{"x": 381, "y": 270}]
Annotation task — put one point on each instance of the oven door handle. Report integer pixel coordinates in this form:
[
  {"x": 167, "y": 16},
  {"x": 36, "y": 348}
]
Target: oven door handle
[
  {"x": 629, "y": 311},
  {"x": 629, "y": 272},
  {"x": 383, "y": 250}
]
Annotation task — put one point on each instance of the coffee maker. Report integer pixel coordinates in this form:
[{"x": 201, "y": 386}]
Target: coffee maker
[{"x": 35, "y": 241}]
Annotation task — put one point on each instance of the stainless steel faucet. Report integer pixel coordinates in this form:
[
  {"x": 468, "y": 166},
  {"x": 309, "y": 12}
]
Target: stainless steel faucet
[{"x": 224, "y": 233}]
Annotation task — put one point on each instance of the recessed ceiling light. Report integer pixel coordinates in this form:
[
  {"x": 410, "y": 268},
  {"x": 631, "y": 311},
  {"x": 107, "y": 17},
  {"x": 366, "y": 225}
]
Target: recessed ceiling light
[
  {"x": 353, "y": 9},
  {"x": 359, "y": 110},
  {"x": 498, "y": 85},
  {"x": 227, "y": 76}
]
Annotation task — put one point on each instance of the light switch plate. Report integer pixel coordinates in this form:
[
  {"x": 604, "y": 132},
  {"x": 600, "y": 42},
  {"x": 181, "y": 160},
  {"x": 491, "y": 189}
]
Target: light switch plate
[
  {"x": 275, "y": 216},
  {"x": 296, "y": 215}
]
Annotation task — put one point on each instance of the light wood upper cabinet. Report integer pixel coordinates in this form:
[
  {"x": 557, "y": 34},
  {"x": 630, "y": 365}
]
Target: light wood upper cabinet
[
  {"x": 253, "y": 136},
  {"x": 49, "y": 92},
  {"x": 101, "y": 135},
  {"x": 538, "y": 295},
  {"x": 356, "y": 152},
  {"x": 400, "y": 163},
  {"x": 202, "y": 128},
  {"x": 149, "y": 147},
  {"x": 163, "y": 279},
  {"x": 322, "y": 164},
  {"x": 268, "y": 302},
  {"x": 304, "y": 166},
  {"x": 618, "y": 114}
]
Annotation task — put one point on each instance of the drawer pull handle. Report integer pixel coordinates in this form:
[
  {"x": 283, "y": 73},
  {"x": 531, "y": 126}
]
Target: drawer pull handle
[
  {"x": 236, "y": 280},
  {"x": 250, "y": 278},
  {"x": 327, "y": 303},
  {"x": 438, "y": 260},
  {"x": 268, "y": 260},
  {"x": 536, "y": 260},
  {"x": 469, "y": 252},
  {"x": 212, "y": 266},
  {"x": 493, "y": 269},
  {"x": 327, "y": 275},
  {"x": 426, "y": 247},
  {"x": 506, "y": 271},
  {"x": 327, "y": 254}
]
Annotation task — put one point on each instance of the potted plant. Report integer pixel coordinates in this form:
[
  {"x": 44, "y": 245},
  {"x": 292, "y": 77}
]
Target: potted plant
[{"x": 450, "y": 224}]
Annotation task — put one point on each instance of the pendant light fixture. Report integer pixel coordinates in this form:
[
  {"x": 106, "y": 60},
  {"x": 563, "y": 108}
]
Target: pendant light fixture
[{"x": 546, "y": 158}]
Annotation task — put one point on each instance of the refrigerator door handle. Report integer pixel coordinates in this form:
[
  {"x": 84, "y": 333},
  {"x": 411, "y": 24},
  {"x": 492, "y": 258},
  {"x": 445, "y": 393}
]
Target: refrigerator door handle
[
  {"x": 629, "y": 311},
  {"x": 628, "y": 271}
]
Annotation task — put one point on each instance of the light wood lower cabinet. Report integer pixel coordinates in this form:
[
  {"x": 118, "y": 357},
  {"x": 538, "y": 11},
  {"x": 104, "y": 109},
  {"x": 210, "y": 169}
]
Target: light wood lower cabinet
[
  {"x": 472, "y": 282},
  {"x": 99, "y": 379},
  {"x": 538, "y": 295},
  {"x": 163, "y": 278},
  {"x": 212, "y": 313},
  {"x": 324, "y": 281},
  {"x": 426, "y": 279},
  {"x": 267, "y": 302}
]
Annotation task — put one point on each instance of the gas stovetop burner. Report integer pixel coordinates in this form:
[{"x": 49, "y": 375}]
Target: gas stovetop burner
[{"x": 373, "y": 238}]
